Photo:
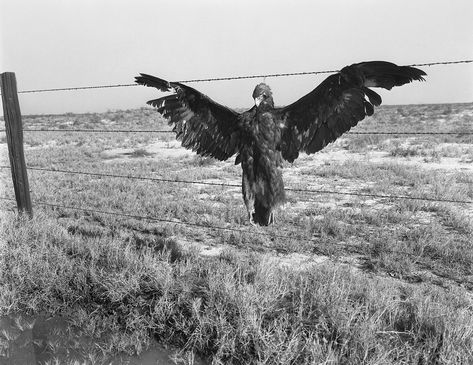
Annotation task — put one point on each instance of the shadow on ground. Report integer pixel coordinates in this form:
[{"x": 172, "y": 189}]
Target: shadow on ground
[{"x": 51, "y": 340}]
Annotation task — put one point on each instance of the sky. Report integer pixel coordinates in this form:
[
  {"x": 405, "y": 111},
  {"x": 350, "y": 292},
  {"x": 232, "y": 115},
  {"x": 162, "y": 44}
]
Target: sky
[{"x": 65, "y": 43}]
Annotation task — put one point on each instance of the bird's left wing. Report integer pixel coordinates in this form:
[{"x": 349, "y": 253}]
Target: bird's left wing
[
  {"x": 338, "y": 104},
  {"x": 206, "y": 127}
]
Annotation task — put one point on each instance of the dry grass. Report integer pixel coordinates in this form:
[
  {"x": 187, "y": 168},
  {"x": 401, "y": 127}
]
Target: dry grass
[{"x": 235, "y": 308}]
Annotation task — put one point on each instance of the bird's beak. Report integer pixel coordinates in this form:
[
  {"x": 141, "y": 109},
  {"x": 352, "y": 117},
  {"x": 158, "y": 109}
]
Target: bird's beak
[{"x": 258, "y": 100}]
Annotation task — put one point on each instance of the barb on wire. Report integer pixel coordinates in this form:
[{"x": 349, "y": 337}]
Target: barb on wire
[
  {"x": 310, "y": 191},
  {"x": 230, "y": 78}
]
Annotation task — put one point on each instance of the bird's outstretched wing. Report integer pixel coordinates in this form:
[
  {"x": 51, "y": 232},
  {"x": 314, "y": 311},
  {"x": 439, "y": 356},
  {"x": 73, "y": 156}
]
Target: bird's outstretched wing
[
  {"x": 338, "y": 104},
  {"x": 206, "y": 127}
]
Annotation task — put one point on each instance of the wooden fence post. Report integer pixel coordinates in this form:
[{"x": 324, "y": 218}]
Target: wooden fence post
[{"x": 14, "y": 132}]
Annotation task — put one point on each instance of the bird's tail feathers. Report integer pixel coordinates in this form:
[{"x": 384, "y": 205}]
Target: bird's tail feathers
[{"x": 262, "y": 214}]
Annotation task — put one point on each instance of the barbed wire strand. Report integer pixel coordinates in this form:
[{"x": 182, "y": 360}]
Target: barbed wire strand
[
  {"x": 241, "y": 231},
  {"x": 230, "y": 78},
  {"x": 8, "y": 208},
  {"x": 157, "y": 219},
  {"x": 411, "y": 133},
  {"x": 310, "y": 191},
  {"x": 10, "y": 199},
  {"x": 96, "y": 130},
  {"x": 167, "y": 131}
]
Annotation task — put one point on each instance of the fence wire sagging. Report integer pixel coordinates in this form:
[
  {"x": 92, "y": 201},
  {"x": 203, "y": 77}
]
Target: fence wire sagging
[{"x": 181, "y": 181}]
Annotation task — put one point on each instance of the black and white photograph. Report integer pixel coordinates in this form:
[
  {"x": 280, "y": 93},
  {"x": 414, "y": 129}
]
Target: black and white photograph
[{"x": 217, "y": 182}]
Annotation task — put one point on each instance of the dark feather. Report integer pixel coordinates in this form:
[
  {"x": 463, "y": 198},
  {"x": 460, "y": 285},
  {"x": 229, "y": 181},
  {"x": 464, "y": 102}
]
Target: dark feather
[
  {"x": 374, "y": 98},
  {"x": 338, "y": 104},
  {"x": 369, "y": 110},
  {"x": 153, "y": 81},
  {"x": 206, "y": 127},
  {"x": 386, "y": 74}
]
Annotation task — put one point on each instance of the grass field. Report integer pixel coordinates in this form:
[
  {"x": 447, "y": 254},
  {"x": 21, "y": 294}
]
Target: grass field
[{"x": 355, "y": 278}]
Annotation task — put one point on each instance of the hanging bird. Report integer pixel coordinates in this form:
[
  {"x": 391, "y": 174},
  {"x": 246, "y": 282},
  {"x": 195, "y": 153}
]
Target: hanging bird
[{"x": 264, "y": 136}]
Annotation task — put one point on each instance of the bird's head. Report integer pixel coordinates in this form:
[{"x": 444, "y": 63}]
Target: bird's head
[{"x": 263, "y": 95}]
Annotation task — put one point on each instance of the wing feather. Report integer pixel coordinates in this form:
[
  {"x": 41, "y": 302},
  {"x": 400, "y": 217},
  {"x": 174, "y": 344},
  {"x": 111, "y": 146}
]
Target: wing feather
[
  {"x": 338, "y": 104},
  {"x": 201, "y": 124}
]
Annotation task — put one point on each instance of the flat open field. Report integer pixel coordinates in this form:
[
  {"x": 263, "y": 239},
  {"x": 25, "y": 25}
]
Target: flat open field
[{"x": 363, "y": 266}]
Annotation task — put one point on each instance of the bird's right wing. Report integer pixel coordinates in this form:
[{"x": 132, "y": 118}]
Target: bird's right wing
[{"x": 206, "y": 127}]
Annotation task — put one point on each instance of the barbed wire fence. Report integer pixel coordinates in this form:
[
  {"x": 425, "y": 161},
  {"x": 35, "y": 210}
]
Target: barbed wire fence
[
  {"x": 213, "y": 227},
  {"x": 234, "y": 185},
  {"x": 153, "y": 179},
  {"x": 229, "y": 78},
  {"x": 373, "y": 133}
]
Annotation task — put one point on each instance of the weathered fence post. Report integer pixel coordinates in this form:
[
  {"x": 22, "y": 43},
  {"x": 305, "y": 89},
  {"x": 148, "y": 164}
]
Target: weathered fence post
[{"x": 14, "y": 132}]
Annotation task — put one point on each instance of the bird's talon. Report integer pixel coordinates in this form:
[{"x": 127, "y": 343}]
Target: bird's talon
[
  {"x": 271, "y": 219},
  {"x": 251, "y": 216}
]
